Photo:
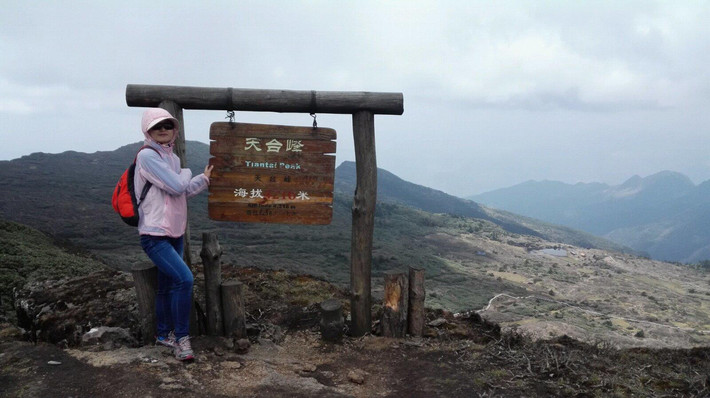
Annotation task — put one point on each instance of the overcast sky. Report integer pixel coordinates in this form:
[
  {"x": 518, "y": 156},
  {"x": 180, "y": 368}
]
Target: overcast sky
[{"x": 495, "y": 92}]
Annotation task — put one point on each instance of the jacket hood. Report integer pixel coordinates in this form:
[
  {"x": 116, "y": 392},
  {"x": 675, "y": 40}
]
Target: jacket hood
[{"x": 153, "y": 116}]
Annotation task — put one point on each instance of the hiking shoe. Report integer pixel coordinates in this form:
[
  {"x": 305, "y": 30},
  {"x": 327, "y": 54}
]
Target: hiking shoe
[
  {"x": 166, "y": 341},
  {"x": 183, "y": 349}
]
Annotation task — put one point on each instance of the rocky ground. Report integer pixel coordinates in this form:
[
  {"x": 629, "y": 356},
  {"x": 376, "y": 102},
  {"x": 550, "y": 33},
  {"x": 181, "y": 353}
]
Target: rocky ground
[
  {"x": 460, "y": 356},
  {"x": 591, "y": 295}
]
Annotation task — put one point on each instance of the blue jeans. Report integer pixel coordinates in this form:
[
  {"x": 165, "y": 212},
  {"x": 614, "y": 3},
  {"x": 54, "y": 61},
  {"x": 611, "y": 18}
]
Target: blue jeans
[{"x": 174, "y": 297}]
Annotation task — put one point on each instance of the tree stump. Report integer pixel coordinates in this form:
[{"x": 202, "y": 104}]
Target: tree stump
[
  {"x": 210, "y": 254},
  {"x": 394, "y": 315},
  {"x": 417, "y": 294},
  {"x": 331, "y": 322},
  {"x": 145, "y": 279},
  {"x": 233, "y": 309}
]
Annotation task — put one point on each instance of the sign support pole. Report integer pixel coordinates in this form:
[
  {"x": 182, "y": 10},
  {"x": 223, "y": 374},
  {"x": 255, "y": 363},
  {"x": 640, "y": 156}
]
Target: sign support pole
[
  {"x": 176, "y": 111},
  {"x": 363, "y": 221}
]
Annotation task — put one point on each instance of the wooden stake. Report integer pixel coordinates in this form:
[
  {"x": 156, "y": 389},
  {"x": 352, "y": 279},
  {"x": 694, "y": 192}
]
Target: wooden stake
[
  {"x": 331, "y": 323},
  {"x": 394, "y": 306},
  {"x": 145, "y": 279},
  {"x": 363, "y": 223},
  {"x": 233, "y": 309},
  {"x": 210, "y": 254},
  {"x": 417, "y": 294}
]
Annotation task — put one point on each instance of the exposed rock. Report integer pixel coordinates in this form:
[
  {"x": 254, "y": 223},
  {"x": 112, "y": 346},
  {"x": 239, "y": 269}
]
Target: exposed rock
[
  {"x": 109, "y": 337},
  {"x": 437, "y": 322},
  {"x": 242, "y": 346},
  {"x": 308, "y": 367},
  {"x": 232, "y": 365},
  {"x": 271, "y": 332},
  {"x": 356, "y": 376},
  {"x": 60, "y": 312},
  {"x": 167, "y": 386}
]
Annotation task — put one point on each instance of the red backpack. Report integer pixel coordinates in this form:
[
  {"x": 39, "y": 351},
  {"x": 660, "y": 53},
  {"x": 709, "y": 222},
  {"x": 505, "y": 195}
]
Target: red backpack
[{"x": 124, "y": 198}]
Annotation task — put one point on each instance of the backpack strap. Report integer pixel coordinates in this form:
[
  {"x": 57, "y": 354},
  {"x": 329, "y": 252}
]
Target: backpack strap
[
  {"x": 144, "y": 147},
  {"x": 148, "y": 184}
]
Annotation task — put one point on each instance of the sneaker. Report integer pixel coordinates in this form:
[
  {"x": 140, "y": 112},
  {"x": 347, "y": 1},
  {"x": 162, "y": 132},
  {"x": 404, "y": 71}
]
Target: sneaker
[
  {"x": 183, "y": 349},
  {"x": 166, "y": 341}
]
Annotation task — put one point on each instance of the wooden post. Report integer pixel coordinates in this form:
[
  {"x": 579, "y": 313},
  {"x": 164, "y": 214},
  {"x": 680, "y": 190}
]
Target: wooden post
[
  {"x": 363, "y": 223},
  {"x": 417, "y": 294},
  {"x": 145, "y": 279},
  {"x": 233, "y": 309},
  {"x": 394, "y": 306},
  {"x": 331, "y": 323},
  {"x": 210, "y": 254},
  {"x": 176, "y": 111}
]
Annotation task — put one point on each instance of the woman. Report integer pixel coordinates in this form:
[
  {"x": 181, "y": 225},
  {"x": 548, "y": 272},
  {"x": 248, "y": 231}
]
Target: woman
[{"x": 162, "y": 223}]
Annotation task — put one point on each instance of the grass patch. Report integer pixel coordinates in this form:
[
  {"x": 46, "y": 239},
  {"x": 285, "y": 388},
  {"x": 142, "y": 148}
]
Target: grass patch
[{"x": 509, "y": 276}]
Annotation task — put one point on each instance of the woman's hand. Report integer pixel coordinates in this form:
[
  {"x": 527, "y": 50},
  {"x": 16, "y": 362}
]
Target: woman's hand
[{"x": 208, "y": 171}]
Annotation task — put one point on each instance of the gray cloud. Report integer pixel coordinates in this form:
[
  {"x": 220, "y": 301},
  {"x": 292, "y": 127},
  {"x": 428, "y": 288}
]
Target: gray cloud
[{"x": 495, "y": 92}]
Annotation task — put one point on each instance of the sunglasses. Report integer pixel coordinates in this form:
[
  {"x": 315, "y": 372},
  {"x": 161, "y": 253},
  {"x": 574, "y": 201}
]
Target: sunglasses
[{"x": 163, "y": 126}]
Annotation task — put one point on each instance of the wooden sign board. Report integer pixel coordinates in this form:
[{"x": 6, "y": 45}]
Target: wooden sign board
[{"x": 273, "y": 174}]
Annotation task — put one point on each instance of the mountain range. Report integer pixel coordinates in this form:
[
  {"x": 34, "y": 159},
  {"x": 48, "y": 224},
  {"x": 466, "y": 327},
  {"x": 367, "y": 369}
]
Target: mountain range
[
  {"x": 67, "y": 195},
  {"x": 472, "y": 255},
  {"x": 665, "y": 215}
]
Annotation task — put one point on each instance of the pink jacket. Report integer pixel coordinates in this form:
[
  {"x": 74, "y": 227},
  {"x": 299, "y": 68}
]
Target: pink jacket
[{"x": 163, "y": 212}]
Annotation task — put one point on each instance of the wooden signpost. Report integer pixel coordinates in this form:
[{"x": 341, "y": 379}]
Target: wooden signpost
[
  {"x": 272, "y": 174},
  {"x": 363, "y": 106}
]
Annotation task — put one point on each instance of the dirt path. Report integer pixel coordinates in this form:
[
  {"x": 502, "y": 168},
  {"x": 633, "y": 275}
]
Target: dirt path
[
  {"x": 301, "y": 366},
  {"x": 304, "y": 366}
]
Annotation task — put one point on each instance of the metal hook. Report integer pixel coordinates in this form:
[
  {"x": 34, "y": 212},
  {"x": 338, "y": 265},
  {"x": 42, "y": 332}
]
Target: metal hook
[
  {"x": 315, "y": 124},
  {"x": 230, "y": 116}
]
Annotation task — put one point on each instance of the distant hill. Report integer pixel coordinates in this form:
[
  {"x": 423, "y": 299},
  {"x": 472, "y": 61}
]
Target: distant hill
[
  {"x": 664, "y": 215},
  {"x": 391, "y": 188}
]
